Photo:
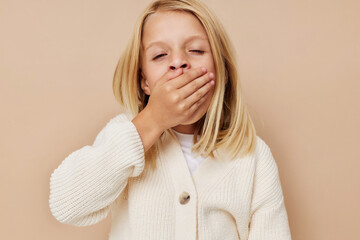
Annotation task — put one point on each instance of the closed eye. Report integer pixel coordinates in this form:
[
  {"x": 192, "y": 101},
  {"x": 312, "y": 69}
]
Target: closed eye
[
  {"x": 159, "y": 56},
  {"x": 197, "y": 51},
  {"x": 163, "y": 54}
]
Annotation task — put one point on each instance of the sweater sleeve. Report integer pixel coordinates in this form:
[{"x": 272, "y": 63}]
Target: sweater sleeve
[
  {"x": 88, "y": 180},
  {"x": 268, "y": 216}
]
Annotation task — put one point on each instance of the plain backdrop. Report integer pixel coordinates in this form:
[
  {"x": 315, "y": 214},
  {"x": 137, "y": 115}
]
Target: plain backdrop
[{"x": 299, "y": 68}]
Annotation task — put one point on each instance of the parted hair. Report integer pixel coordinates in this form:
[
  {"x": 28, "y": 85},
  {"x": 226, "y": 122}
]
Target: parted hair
[{"x": 227, "y": 124}]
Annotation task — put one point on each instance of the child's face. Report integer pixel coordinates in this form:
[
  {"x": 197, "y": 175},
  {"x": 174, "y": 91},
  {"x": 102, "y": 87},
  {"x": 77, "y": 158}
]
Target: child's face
[{"x": 174, "y": 40}]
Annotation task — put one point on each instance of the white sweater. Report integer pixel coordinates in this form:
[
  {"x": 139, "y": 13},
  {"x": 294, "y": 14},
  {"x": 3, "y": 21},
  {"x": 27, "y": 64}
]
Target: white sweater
[{"x": 223, "y": 200}]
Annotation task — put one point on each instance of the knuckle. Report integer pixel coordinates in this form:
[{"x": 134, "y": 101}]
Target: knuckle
[
  {"x": 199, "y": 72},
  {"x": 175, "y": 97},
  {"x": 198, "y": 94},
  {"x": 207, "y": 77},
  {"x": 195, "y": 73},
  {"x": 196, "y": 105},
  {"x": 181, "y": 106},
  {"x": 194, "y": 85},
  {"x": 167, "y": 88}
]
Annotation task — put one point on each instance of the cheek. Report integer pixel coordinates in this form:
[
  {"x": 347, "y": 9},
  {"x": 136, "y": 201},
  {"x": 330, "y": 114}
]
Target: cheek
[
  {"x": 212, "y": 64},
  {"x": 208, "y": 62},
  {"x": 153, "y": 74}
]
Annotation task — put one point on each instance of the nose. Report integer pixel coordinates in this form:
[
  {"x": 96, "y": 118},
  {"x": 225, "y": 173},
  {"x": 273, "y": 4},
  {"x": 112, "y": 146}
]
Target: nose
[{"x": 179, "y": 60}]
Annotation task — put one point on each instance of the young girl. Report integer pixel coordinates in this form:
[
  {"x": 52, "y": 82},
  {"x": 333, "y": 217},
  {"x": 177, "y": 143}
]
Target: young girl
[{"x": 183, "y": 161}]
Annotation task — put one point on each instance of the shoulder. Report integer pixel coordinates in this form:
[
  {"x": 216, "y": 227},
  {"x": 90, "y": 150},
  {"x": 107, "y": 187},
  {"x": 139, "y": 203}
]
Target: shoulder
[
  {"x": 261, "y": 147},
  {"x": 263, "y": 155},
  {"x": 119, "y": 124},
  {"x": 122, "y": 117}
]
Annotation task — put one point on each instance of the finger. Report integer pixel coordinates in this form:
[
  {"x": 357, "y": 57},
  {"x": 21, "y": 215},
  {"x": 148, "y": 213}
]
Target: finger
[
  {"x": 197, "y": 104},
  {"x": 170, "y": 75},
  {"x": 176, "y": 73},
  {"x": 199, "y": 95},
  {"x": 188, "y": 77},
  {"x": 193, "y": 86}
]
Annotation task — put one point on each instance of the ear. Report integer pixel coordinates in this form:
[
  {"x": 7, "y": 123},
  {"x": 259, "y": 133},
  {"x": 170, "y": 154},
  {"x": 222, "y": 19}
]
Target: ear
[{"x": 144, "y": 84}]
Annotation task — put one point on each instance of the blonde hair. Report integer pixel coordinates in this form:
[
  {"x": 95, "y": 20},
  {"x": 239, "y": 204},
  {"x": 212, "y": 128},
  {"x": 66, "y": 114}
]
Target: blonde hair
[{"x": 227, "y": 123}]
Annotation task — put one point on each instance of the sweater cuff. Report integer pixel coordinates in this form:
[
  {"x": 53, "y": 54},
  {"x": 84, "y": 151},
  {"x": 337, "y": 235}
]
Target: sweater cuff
[{"x": 126, "y": 142}]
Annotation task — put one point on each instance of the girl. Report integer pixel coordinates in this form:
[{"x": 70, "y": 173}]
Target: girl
[{"x": 183, "y": 161}]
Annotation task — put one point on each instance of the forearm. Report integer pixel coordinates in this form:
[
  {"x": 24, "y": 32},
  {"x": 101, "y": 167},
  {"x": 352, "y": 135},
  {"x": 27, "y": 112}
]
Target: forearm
[
  {"x": 84, "y": 185},
  {"x": 148, "y": 128}
]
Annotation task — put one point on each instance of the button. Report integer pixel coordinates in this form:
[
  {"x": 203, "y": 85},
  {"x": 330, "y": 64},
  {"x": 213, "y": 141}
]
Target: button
[{"x": 184, "y": 198}]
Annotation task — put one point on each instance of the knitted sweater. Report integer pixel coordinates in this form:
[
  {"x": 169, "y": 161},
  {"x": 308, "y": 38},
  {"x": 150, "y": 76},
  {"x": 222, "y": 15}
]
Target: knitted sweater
[{"x": 223, "y": 200}]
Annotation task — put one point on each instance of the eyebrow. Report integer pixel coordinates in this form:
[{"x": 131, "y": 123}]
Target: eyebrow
[{"x": 189, "y": 39}]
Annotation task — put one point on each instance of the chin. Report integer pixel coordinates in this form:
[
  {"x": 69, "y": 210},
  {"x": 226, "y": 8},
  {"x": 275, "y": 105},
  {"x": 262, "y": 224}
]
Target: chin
[{"x": 194, "y": 119}]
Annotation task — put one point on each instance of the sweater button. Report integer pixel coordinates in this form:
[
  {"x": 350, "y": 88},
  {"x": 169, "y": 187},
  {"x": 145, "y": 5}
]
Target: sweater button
[{"x": 184, "y": 198}]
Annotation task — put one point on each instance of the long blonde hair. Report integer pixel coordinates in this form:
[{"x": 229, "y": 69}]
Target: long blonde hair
[{"x": 227, "y": 124}]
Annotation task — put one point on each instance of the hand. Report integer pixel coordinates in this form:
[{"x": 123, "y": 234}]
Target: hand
[{"x": 177, "y": 95}]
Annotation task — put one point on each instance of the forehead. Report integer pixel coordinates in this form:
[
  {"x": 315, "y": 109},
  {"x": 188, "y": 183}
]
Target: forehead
[{"x": 164, "y": 24}]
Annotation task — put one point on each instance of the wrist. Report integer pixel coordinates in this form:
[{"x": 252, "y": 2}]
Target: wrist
[
  {"x": 148, "y": 128},
  {"x": 153, "y": 122}
]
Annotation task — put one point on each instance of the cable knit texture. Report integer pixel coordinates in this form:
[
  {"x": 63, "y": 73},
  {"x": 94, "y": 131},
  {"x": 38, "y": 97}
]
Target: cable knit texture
[{"x": 222, "y": 200}]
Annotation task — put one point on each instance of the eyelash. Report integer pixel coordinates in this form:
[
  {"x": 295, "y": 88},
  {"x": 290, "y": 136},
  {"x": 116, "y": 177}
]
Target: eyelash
[{"x": 163, "y": 54}]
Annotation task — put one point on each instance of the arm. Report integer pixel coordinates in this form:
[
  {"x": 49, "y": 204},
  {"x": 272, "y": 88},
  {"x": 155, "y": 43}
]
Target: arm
[
  {"x": 88, "y": 180},
  {"x": 147, "y": 127},
  {"x": 268, "y": 216}
]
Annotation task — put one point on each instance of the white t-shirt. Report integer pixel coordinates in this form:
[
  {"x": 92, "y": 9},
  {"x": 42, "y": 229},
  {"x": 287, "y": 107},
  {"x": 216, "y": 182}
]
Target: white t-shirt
[{"x": 186, "y": 142}]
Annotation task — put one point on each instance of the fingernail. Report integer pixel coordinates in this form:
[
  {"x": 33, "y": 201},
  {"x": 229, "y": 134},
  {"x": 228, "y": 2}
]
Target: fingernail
[
  {"x": 203, "y": 69},
  {"x": 211, "y": 75}
]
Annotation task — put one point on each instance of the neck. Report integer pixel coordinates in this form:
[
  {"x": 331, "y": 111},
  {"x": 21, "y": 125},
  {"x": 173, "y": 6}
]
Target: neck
[{"x": 185, "y": 129}]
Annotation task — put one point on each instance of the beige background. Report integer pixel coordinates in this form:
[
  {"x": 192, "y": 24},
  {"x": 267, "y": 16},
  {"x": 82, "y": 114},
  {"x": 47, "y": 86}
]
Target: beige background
[{"x": 299, "y": 66}]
